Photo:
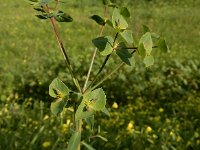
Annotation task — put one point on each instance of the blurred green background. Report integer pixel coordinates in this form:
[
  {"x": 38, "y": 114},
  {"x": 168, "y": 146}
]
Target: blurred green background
[{"x": 156, "y": 108}]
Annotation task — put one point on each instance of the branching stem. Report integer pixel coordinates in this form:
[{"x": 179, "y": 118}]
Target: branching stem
[
  {"x": 104, "y": 63},
  {"x": 94, "y": 53},
  {"x": 111, "y": 73},
  {"x": 66, "y": 58}
]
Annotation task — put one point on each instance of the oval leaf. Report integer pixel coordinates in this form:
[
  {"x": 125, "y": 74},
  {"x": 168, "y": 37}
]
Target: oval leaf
[
  {"x": 43, "y": 16},
  {"x": 98, "y": 19},
  {"x": 81, "y": 114},
  {"x": 95, "y": 99},
  {"x": 148, "y": 61},
  {"x": 118, "y": 20},
  {"x": 145, "y": 29},
  {"x": 58, "y": 89},
  {"x": 123, "y": 53},
  {"x": 147, "y": 42},
  {"x": 141, "y": 50},
  {"x": 125, "y": 12},
  {"x": 57, "y": 107},
  {"x": 162, "y": 45},
  {"x": 104, "y": 44},
  {"x": 127, "y": 36},
  {"x": 63, "y": 17}
]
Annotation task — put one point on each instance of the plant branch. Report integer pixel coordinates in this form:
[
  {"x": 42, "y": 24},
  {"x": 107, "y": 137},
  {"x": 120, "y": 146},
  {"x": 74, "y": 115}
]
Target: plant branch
[
  {"x": 104, "y": 63},
  {"x": 66, "y": 58},
  {"x": 111, "y": 73},
  {"x": 94, "y": 53},
  {"x": 56, "y": 4}
]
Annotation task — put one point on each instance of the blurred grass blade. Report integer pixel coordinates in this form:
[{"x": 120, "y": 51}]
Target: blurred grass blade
[
  {"x": 89, "y": 147},
  {"x": 74, "y": 141}
]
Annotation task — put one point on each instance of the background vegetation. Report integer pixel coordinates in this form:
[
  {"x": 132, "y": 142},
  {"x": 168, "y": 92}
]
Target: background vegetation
[{"x": 151, "y": 108}]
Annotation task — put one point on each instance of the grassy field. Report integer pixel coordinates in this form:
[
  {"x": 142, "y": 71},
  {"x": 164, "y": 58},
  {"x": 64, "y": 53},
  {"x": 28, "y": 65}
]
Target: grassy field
[{"x": 155, "y": 108}]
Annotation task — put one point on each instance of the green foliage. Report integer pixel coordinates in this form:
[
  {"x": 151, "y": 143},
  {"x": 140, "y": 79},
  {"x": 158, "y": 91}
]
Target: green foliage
[
  {"x": 170, "y": 84},
  {"x": 57, "y": 106},
  {"x": 118, "y": 21},
  {"x": 95, "y": 100},
  {"x": 63, "y": 17},
  {"x": 98, "y": 19},
  {"x": 128, "y": 37},
  {"x": 74, "y": 141},
  {"x": 146, "y": 40},
  {"x": 57, "y": 89},
  {"x": 123, "y": 53},
  {"x": 162, "y": 45},
  {"x": 148, "y": 60},
  {"x": 125, "y": 12},
  {"x": 104, "y": 44}
]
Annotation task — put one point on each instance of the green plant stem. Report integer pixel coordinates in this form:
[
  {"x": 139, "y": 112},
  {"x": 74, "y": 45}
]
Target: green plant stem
[
  {"x": 56, "y": 4},
  {"x": 104, "y": 63},
  {"x": 92, "y": 62},
  {"x": 111, "y": 73},
  {"x": 66, "y": 58},
  {"x": 94, "y": 53}
]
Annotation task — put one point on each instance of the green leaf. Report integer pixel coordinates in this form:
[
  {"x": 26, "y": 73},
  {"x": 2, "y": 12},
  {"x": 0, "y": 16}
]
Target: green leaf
[
  {"x": 127, "y": 35},
  {"x": 145, "y": 29},
  {"x": 148, "y": 61},
  {"x": 63, "y": 17},
  {"x": 75, "y": 96},
  {"x": 89, "y": 147},
  {"x": 125, "y": 12},
  {"x": 162, "y": 45},
  {"x": 123, "y": 53},
  {"x": 43, "y": 16},
  {"x": 58, "y": 89},
  {"x": 105, "y": 111},
  {"x": 141, "y": 50},
  {"x": 104, "y": 44},
  {"x": 108, "y": 22},
  {"x": 74, "y": 141},
  {"x": 81, "y": 114},
  {"x": 90, "y": 122},
  {"x": 98, "y": 19},
  {"x": 96, "y": 99},
  {"x": 57, "y": 107},
  {"x": 118, "y": 20},
  {"x": 103, "y": 138},
  {"x": 40, "y": 9},
  {"x": 147, "y": 42},
  {"x": 155, "y": 36}
]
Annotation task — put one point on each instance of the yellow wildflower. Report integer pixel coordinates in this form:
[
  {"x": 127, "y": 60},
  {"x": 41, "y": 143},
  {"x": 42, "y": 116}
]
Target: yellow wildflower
[
  {"x": 115, "y": 105},
  {"x": 148, "y": 129},
  {"x": 46, "y": 144}
]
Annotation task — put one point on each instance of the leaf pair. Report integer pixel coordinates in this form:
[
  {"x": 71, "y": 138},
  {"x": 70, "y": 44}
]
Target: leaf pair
[
  {"x": 145, "y": 47},
  {"x": 105, "y": 45},
  {"x": 58, "y": 90},
  {"x": 118, "y": 20},
  {"x": 59, "y": 16}
]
